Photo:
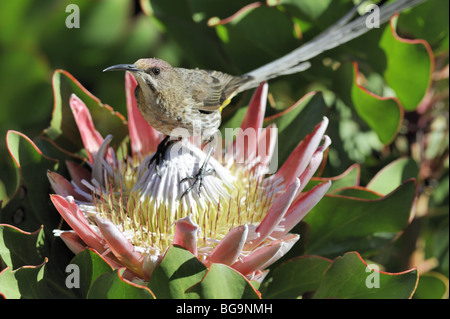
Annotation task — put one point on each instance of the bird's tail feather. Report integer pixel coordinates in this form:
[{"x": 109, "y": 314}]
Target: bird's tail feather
[{"x": 344, "y": 30}]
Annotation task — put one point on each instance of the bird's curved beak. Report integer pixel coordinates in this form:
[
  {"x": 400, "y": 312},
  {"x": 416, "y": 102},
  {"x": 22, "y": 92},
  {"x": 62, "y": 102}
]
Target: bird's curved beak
[{"x": 122, "y": 67}]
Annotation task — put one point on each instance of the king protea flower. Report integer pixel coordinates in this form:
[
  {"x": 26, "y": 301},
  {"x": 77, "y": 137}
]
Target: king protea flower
[{"x": 125, "y": 210}]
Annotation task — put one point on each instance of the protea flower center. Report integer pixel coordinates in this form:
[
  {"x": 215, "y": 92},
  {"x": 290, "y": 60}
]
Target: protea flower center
[
  {"x": 146, "y": 205},
  {"x": 131, "y": 209}
]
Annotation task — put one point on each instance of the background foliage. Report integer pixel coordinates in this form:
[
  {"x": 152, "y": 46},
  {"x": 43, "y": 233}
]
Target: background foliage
[{"x": 379, "y": 142}]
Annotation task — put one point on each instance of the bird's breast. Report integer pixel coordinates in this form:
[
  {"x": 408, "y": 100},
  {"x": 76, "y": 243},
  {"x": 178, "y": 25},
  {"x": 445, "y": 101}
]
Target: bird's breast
[{"x": 168, "y": 116}]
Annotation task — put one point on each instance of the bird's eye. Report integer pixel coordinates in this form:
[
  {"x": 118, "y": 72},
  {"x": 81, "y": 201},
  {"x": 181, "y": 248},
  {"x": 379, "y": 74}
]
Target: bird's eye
[{"x": 156, "y": 71}]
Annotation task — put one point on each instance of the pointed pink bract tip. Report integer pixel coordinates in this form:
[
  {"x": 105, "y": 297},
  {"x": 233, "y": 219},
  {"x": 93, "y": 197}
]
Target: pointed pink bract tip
[{"x": 186, "y": 234}]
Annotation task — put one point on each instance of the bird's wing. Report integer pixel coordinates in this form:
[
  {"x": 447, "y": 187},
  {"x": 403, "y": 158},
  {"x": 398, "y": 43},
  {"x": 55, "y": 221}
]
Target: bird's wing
[{"x": 211, "y": 90}]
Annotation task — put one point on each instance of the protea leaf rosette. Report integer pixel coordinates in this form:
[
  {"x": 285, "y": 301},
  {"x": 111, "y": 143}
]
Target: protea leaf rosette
[{"x": 131, "y": 214}]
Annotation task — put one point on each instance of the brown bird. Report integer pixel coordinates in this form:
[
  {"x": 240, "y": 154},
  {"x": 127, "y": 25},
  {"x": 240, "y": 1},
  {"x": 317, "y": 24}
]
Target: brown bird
[{"x": 170, "y": 97}]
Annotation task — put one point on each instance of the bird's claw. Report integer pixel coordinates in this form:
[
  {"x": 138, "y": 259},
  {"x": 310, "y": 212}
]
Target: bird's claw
[{"x": 198, "y": 179}]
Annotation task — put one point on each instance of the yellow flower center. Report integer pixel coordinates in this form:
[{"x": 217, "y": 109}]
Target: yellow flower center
[{"x": 146, "y": 206}]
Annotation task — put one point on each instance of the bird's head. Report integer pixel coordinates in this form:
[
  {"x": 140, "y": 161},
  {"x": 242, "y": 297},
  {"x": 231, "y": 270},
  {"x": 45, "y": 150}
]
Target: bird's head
[{"x": 152, "y": 74}]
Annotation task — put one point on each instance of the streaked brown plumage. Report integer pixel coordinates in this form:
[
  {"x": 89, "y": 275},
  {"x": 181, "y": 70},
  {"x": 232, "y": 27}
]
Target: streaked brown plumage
[
  {"x": 175, "y": 98},
  {"x": 191, "y": 99}
]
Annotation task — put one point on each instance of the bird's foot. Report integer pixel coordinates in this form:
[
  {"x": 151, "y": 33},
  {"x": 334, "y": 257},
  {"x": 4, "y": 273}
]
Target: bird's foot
[{"x": 198, "y": 178}]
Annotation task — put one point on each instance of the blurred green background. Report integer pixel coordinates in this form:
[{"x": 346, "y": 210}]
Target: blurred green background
[{"x": 34, "y": 42}]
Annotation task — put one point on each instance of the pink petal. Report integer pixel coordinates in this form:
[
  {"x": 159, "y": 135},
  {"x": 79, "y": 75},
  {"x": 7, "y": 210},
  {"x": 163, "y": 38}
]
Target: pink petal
[
  {"x": 90, "y": 136},
  {"x": 62, "y": 186},
  {"x": 274, "y": 215},
  {"x": 122, "y": 249},
  {"x": 255, "y": 260},
  {"x": 73, "y": 241},
  {"x": 251, "y": 126},
  {"x": 144, "y": 138},
  {"x": 302, "y": 207},
  {"x": 286, "y": 242},
  {"x": 266, "y": 146},
  {"x": 265, "y": 256},
  {"x": 259, "y": 275},
  {"x": 149, "y": 264},
  {"x": 76, "y": 245},
  {"x": 186, "y": 234},
  {"x": 72, "y": 214},
  {"x": 301, "y": 156},
  {"x": 256, "y": 109},
  {"x": 314, "y": 164},
  {"x": 230, "y": 247},
  {"x": 79, "y": 173}
]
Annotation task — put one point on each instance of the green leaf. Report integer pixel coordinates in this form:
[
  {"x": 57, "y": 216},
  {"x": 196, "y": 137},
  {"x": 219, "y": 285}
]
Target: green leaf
[
  {"x": 440, "y": 197},
  {"x": 349, "y": 178},
  {"x": 382, "y": 115},
  {"x": 295, "y": 277},
  {"x": 432, "y": 285},
  {"x": 112, "y": 285},
  {"x": 352, "y": 139},
  {"x": 223, "y": 282},
  {"x": 357, "y": 192},
  {"x": 91, "y": 266},
  {"x": 349, "y": 277},
  {"x": 19, "y": 248},
  {"x": 24, "y": 282},
  {"x": 178, "y": 20},
  {"x": 392, "y": 175},
  {"x": 412, "y": 55},
  {"x": 178, "y": 271},
  {"x": 30, "y": 207},
  {"x": 434, "y": 15},
  {"x": 63, "y": 129},
  {"x": 263, "y": 42},
  {"x": 233, "y": 120},
  {"x": 98, "y": 30},
  {"x": 296, "y": 122},
  {"x": 321, "y": 13},
  {"x": 339, "y": 224}
]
